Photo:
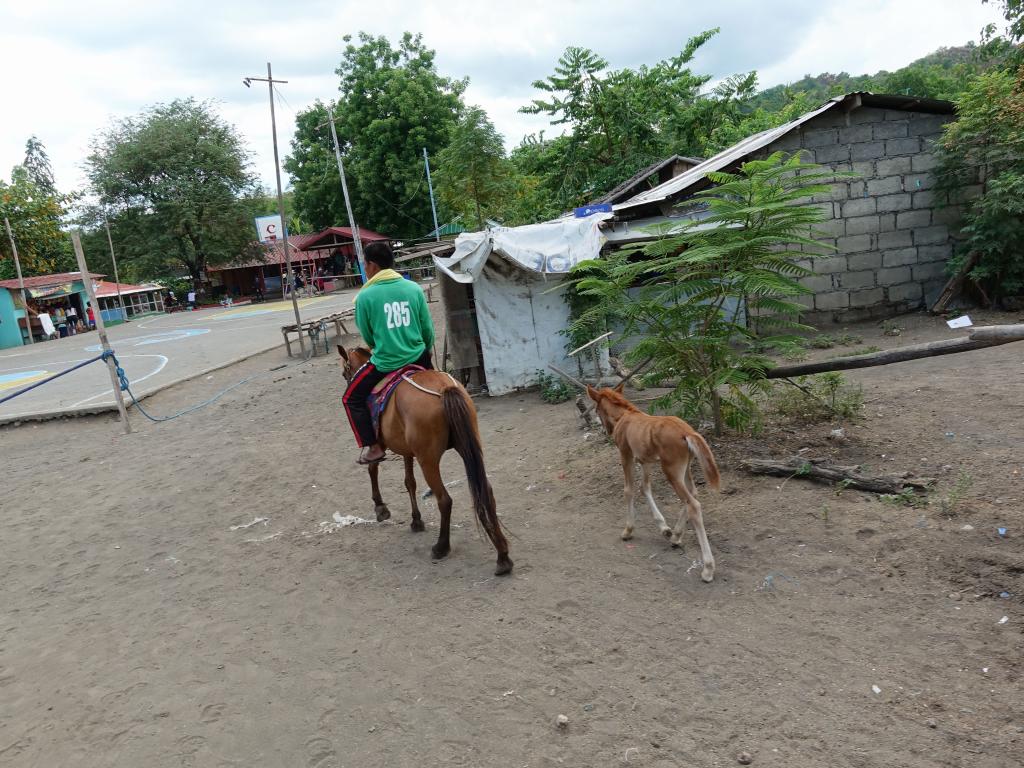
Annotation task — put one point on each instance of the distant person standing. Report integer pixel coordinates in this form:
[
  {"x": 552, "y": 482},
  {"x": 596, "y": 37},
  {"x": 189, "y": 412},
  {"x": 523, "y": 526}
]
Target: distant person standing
[
  {"x": 91, "y": 316},
  {"x": 72, "y": 317},
  {"x": 192, "y": 299}
]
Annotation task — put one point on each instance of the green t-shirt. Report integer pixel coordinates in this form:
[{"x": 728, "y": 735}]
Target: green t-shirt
[{"x": 394, "y": 320}]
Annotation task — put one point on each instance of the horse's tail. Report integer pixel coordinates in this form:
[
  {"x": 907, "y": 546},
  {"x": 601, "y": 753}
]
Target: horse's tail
[
  {"x": 466, "y": 442},
  {"x": 700, "y": 448}
]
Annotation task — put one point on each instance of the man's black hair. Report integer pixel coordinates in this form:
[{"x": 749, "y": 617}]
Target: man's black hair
[{"x": 380, "y": 254}]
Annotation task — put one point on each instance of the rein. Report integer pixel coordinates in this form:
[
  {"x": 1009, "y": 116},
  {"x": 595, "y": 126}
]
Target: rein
[{"x": 421, "y": 388}]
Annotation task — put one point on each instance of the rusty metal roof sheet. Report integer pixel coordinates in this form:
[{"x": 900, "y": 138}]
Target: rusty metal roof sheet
[{"x": 747, "y": 146}]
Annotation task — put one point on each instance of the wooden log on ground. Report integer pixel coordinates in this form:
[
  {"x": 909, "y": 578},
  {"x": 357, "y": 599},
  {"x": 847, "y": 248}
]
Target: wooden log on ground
[
  {"x": 986, "y": 336},
  {"x": 818, "y": 469}
]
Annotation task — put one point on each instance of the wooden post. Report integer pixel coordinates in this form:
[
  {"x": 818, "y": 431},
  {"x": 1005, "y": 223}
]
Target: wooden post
[
  {"x": 21, "y": 281},
  {"x": 83, "y": 268}
]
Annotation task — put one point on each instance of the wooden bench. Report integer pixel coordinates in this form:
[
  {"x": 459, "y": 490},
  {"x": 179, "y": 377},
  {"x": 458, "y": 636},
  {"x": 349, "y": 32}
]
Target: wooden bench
[{"x": 317, "y": 328}]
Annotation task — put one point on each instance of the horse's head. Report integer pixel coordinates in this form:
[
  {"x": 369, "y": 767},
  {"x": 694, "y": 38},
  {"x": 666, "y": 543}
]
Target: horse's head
[
  {"x": 352, "y": 360},
  {"x": 610, "y": 404}
]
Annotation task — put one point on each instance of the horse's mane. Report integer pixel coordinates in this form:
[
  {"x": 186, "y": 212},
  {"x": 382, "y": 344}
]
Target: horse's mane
[
  {"x": 618, "y": 398},
  {"x": 362, "y": 352}
]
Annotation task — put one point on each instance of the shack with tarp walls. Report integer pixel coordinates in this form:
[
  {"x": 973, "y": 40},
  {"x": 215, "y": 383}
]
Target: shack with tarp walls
[
  {"x": 504, "y": 293},
  {"x": 42, "y": 293}
]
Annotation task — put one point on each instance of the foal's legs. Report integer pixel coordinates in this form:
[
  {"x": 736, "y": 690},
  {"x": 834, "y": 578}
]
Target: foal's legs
[
  {"x": 383, "y": 513},
  {"x": 626, "y": 456},
  {"x": 410, "y": 485},
  {"x": 430, "y": 466},
  {"x": 666, "y": 531},
  {"x": 681, "y": 481}
]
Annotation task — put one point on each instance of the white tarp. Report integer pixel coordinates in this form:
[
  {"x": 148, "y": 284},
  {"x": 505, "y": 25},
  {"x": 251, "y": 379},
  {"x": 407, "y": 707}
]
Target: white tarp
[{"x": 553, "y": 247}]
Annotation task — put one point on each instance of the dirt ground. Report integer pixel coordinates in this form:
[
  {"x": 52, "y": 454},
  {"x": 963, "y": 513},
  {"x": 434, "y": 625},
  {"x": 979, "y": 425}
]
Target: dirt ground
[{"x": 183, "y": 597}]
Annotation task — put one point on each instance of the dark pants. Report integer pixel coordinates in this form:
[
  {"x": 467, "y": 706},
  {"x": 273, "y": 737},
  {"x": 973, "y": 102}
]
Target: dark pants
[{"x": 358, "y": 390}]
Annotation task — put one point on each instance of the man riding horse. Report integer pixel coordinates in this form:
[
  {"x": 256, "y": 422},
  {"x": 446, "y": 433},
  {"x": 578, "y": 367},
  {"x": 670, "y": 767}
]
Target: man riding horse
[{"x": 393, "y": 318}]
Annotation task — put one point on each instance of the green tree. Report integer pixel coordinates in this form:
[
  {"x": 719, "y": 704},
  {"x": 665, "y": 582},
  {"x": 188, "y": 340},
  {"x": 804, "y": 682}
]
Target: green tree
[
  {"x": 34, "y": 208},
  {"x": 986, "y": 146},
  {"x": 37, "y": 165},
  {"x": 393, "y": 104},
  {"x": 176, "y": 179},
  {"x": 688, "y": 296},
  {"x": 619, "y": 121},
  {"x": 472, "y": 171}
]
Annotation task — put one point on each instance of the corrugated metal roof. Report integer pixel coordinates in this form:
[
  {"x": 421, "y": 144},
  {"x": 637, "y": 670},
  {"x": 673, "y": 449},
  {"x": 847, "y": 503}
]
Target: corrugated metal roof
[
  {"x": 45, "y": 281},
  {"x": 105, "y": 290},
  {"x": 642, "y": 175},
  {"x": 751, "y": 144}
]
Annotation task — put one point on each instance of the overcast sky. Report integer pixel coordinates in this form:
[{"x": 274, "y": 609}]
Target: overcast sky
[{"x": 73, "y": 65}]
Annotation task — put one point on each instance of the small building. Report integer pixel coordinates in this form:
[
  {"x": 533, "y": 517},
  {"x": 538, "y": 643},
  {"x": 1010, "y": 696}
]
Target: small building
[
  {"x": 331, "y": 250},
  {"x": 892, "y": 235},
  {"x": 43, "y": 295},
  {"x": 138, "y": 300},
  {"x": 891, "y": 232},
  {"x": 504, "y": 300}
]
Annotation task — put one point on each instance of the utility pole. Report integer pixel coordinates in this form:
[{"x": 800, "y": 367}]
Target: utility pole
[
  {"x": 348, "y": 203},
  {"x": 21, "y": 280},
  {"x": 101, "y": 330},
  {"x": 269, "y": 80},
  {"x": 433, "y": 208},
  {"x": 117, "y": 280}
]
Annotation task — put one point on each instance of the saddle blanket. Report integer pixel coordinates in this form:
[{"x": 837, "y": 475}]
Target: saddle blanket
[{"x": 381, "y": 394}]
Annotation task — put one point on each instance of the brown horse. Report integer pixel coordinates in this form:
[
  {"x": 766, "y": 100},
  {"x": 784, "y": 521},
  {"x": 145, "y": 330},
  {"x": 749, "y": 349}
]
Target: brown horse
[
  {"x": 668, "y": 441},
  {"x": 422, "y": 424}
]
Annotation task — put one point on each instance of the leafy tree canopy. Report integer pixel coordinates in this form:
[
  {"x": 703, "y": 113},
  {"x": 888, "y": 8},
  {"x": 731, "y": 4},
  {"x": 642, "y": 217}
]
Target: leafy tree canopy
[
  {"x": 34, "y": 208},
  {"x": 393, "y": 103},
  {"x": 473, "y": 179},
  {"x": 175, "y": 180},
  {"x": 621, "y": 120}
]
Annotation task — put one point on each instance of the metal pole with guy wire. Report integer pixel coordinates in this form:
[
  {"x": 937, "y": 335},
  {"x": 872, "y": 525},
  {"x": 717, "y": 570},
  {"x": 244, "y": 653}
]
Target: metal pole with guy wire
[
  {"x": 117, "y": 280},
  {"x": 101, "y": 330},
  {"x": 433, "y": 208},
  {"x": 21, "y": 280},
  {"x": 269, "y": 80},
  {"x": 356, "y": 239}
]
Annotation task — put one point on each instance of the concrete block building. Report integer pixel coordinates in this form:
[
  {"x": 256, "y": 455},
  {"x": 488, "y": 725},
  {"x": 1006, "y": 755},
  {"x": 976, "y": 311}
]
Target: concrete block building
[{"x": 890, "y": 234}]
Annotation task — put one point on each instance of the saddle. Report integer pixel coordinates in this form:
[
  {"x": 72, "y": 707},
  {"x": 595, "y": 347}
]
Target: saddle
[{"x": 381, "y": 394}]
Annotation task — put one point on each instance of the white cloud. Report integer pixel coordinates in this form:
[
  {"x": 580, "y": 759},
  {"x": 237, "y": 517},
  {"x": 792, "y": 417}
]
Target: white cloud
[{"x": 73, "y": 66}]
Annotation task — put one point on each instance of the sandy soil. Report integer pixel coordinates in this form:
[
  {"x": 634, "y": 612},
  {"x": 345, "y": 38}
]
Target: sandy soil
[{"x": 147, "y": 620}]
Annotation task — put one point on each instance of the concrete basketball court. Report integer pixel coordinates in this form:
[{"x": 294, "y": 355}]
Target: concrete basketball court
[{"x": 155, "y": 352}]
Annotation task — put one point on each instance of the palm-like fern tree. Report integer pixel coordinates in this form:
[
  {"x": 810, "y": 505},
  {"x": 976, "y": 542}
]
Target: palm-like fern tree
[{"x": 701, "y": 295}]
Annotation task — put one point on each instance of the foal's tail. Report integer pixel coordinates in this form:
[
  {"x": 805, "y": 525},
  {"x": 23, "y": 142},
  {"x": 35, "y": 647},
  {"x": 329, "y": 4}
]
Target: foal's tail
[
  {"x": 467, "y": 443},
  {"x": 698, "y": 445}
]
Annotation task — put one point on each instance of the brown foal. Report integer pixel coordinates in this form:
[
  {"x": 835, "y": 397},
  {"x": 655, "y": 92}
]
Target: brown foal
[
  {"x": 671, "y": 442},
  {"x": 421, "y": 422}
]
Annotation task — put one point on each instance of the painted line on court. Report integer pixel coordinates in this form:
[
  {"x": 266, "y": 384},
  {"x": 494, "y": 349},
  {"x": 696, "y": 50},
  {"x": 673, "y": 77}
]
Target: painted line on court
[
  {"x": 53, "y": 363},
  {"x": 153, "y": 338},
  {"x": 15, "y": 380},
  {"x": 160, "y": 367}
]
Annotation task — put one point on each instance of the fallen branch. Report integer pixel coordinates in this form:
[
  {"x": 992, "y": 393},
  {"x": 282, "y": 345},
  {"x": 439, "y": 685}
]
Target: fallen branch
[
  {"x": 817, "y": 469},
  {"x": 567, "y": 377},
  {"x": 986, "y": 336},
  {"x": 956, "y": 283}
]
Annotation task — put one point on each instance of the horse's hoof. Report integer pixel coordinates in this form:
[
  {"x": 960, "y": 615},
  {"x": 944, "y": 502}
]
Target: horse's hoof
[
  {"x": 676, "y": 542},
  {"x": 504, "y": 567},
  {"x": 418, "y": 526},
  {"x": 707, "y": 575},
  {"x": 440, "y": 552},
  {"x": 383, "y": 513},
  {"x": 666, "y": 532},
  {"x": 627, "y": 534}
]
